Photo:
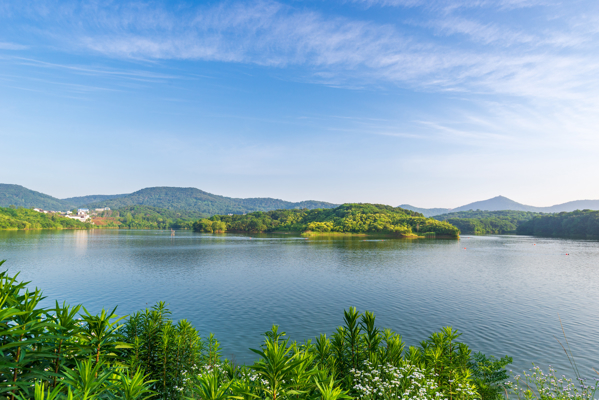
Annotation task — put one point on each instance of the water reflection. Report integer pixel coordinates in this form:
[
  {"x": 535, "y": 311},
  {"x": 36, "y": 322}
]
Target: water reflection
[{"x": 504, "y": 293}]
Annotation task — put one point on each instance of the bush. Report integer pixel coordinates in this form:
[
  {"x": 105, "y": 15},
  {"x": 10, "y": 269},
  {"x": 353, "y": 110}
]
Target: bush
[{"x": 63, "y": 353}]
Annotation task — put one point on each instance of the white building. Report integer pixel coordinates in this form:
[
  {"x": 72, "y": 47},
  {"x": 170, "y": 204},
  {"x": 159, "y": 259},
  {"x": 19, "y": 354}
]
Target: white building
[{"x": 82, "y": 215}]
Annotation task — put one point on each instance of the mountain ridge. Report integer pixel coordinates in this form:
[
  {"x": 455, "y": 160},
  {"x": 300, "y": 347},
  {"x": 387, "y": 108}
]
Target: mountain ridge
[
  {"x": 502, "y": 203},
  {"x": 169, "y": 198},
  {"x": 193, "y": 199}
]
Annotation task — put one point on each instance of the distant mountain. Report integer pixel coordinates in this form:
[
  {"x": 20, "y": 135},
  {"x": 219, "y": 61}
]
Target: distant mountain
[
  {"x": 20, "y": 196},
  {"x": 498, "y": 203},
  {"x": 427, "y": 212},
  {"x": 573, "y": 206},
  {"x": 77, "y": 202},
  {"x": 192, "y": 199},
  {"x": 501, "y": 203}
]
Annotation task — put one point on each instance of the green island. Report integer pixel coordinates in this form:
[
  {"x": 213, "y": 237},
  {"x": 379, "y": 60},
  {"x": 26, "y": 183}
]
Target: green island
[
  {"x": 64, "y": 352},
  {"x": 347, "y": 219},
  {"x": 479, "y": 222}
]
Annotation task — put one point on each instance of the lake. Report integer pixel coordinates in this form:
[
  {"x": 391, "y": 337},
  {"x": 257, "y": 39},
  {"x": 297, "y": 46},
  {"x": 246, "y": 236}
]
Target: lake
[{"x": 503, "y": 292}]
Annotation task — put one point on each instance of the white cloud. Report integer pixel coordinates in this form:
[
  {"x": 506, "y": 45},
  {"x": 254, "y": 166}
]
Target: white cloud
[{"x": 343, "y": 51}]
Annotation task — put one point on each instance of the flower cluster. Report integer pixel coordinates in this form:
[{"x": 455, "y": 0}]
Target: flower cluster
[
  {"x": 536, "y": 384},
  {"x": 408, "y": 382}
]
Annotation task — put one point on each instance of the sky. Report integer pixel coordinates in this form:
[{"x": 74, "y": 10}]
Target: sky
[{"x": 433, "y": 103}]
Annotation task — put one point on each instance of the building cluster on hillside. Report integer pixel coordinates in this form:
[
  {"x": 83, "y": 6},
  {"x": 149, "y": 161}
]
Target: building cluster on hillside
[{"x": 82, "y": 215}]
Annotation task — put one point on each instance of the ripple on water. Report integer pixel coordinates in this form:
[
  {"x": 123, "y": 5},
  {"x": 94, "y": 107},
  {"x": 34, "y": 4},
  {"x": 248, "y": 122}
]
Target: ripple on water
[{"x": 503, "y": 292}]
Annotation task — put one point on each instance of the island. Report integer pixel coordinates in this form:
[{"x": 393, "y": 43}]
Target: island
[{"x": 347, "y": 219}]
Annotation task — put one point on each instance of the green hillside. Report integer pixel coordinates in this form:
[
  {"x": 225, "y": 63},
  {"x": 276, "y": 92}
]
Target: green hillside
[
  {"x": 347, "y": 218},
  {"x": 192, "y": 199},
  {"x": 486, "y": 222},
  {"x": 79, "y": 201},
  {"x": 19, "y": 196},
  {"x": 576, "y": 224},
  {"x": 23, "y": 218},
  {"x": 146, "y": 217}
]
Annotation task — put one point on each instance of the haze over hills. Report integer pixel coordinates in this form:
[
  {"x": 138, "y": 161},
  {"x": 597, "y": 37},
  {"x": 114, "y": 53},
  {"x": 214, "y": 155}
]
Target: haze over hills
[{"x": 501, "y": 203}]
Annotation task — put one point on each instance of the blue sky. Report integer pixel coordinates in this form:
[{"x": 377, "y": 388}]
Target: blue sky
[{"x": 433, "y": 103}]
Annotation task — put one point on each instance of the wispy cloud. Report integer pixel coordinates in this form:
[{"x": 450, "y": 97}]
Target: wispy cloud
[
  {"x": 448, "y": 5},
  {"x": 546, "y": 61},
  {"x": 12, "y": 46},
  {"x": 343, "y": 51}
]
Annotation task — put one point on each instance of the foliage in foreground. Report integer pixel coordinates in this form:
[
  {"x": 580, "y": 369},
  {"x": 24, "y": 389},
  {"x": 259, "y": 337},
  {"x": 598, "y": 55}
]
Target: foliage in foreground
[
  {"x": 537, "y": 385},
  {"x": 23, "y": 218},
  {"x": 347, "y": 218},
  {"x": 66, "y": 352}
]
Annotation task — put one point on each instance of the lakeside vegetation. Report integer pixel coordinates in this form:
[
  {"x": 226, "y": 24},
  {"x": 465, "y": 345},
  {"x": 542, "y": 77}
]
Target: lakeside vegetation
[
  {"x": 74, "y": 354},
  {"x": 65, "y": 352},
  {"x": 146, "y": 217},
  {"x": 479, "y": 222},
  {"x": 347, "y": 218},
  {"x": 576, "y": 224},
  {"x": 13, "y": 218}
]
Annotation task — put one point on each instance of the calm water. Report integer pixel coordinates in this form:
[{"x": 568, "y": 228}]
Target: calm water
[{"x": 504, "y": 293}]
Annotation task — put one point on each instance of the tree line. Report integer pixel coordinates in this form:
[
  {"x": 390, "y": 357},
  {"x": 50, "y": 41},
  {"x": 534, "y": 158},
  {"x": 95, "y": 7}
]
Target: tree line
[
  {"x": 480, "y": 222},
  {"x": 575, "y": 224},
  {"x": 13, "y": 218},
  {"x": 347, "y": 218}
]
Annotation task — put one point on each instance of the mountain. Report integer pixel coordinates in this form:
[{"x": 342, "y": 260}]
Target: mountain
[
  {"x": 20, "y": 196},
  {"x": 77, "y": 202},
  {"x": 498, "y": 203},
  {"x": 192, "y": 199},
  {"x": 169, "y": 198},
  {"x": 573, "y": 206},
  {"x": 501, "y": 203},
  {"x": 427, "y": 212}
]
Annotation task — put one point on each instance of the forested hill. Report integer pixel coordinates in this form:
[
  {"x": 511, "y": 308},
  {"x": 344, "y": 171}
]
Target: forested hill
[
  {"x": 487, "y": 222},
  {"x": 192, "y": 199},
  {"x": 94, "y": 198},
  {"x": 347, "y": 218},
  {"x": 169, "y": 198},
  {"x": 19, "y": 196},
  {"x": 577, "y": 224}
]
